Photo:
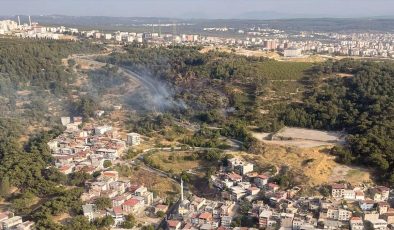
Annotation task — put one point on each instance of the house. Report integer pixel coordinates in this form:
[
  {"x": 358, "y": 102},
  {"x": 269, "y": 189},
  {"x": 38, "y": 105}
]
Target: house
[
  {"x": 349, "y": 194},
  {"x": 142, "y": 191},
  {"x": 253, "y": 191},
  {"x": 359, "y": 195},
  {"x": 339, "y": 214},
  {"x": 111, "y": 174},
  {"x": 370, "y": 216},
  {"x": 11, "y": 223},
  {"x": 161, "y": 208},
  {"x": 272, "y": 187},
  {"x": 117, "y": 214},
  {"x": 356, "y": 223},
  {"x": 66, "y": 169},
  {"x": 101, "y": 130},
  {"x": 27, "y": 225},
  {"x": 88, "y": 211},
  {"x": 239, "y": 165},
  {"x": 197, "y": 203},
  {"x": 389, "y": 218},
  {"x": 4, "y": 216},
  {"x": 380, "y": 193},
  {"x": 109, "y": 154},
  {"x": 379, "y": 224},
  {"x": 366, "y": 205},
  {"x": 264, "y": 217},
  {"x": 383, "y": 207},
  {"x": 205, "y": 218},
  {"x": 261, "y": 180},
  {"x": 133, "y": 139},
  {"x": 173, "y": 224},
  {"x": 237, "y": 192},
  {"x": 225, "y": 221},
  {"x": 338, "y": 190},
  {"x": 132, "y": 205},
  {"x": 234, "y": 177}
]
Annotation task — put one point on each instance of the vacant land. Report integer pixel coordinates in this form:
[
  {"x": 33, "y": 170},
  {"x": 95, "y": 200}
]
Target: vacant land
[
  {"x": 315, "y": 163},
  {"x": 162, "y": 186},
  {"x": 175, "y": 162},
  {"x": 301, "y": 138}
]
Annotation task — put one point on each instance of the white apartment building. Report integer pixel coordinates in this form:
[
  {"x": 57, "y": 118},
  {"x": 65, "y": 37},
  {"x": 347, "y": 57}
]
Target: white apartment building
[{"x": 133, "y": 139}]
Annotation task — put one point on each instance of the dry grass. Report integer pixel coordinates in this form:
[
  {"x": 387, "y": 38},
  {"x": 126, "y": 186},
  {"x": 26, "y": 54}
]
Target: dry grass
[
  {"x": 161, "y": 185},
  {"x": 175, "y": 162},
  {"x": 316, "y": 164}
]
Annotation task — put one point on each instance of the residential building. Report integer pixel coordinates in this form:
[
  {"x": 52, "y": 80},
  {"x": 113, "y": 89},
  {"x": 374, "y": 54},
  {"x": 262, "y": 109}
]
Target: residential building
[
  {"x": 133, "y": 139},
  {"x": 11, "y": 223},
  {"x": 356, "y": 223}
]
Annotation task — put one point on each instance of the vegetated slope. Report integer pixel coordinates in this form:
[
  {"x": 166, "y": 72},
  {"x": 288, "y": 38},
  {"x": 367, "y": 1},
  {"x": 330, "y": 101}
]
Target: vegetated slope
[
  {"x": 221, "y": 89},
  {"x": 32, "y": 76},
  {"x": 363, "y": 105}
]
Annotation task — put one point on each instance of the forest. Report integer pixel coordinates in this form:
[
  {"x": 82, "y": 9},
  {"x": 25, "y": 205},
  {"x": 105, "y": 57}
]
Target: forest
[
  {"x": 33, "y": 78},
  {"x": 221, "y": 89},
  {"x": 362, "y": 104}
]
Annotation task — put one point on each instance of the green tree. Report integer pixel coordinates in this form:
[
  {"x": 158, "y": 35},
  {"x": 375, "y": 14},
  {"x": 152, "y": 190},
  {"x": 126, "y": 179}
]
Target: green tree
[
  {"x": 103, "y": 203},
  {"x": 107, "y": 164},
  {"x": 4, "y": 186},
  {"x": 129, "y": 222},
  {"x": 79, "y": 223}
]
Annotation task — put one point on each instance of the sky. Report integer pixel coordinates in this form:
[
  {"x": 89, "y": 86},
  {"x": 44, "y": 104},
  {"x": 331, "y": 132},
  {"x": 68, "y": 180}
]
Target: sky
[{"x": 212, "y": 9}]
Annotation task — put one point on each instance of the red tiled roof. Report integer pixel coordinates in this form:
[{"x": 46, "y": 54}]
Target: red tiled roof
[
  {"x": 234, "y": 176},
  {"x": 272, "y": 185},
  {"x": 172, "y": 223},
  {"x": 131, "y": 202},
  {"x": 117, "y": 210},
  {"x": 338, "y": 186},
  {"x": 383, "y": 188},
  {"x": 205, "y": 215},
  {"x": 263, "y": 176}
]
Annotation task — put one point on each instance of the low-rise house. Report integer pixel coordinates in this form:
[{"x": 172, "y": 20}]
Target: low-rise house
[
  {"x": 197, "y": 203},
  {"x": 142, "y": 191},
  {"x": 367, "y": 205},
  {"x": 339, "y": 214},
  {"x": 27, "y": 225},
  {"x": 173, "y": 225},
  {"x": 380, "y": 193},
  {"x": 161, "y": 208},
  {"x": 356, "y": 223},
  {"x": 236, "y": 178},
  {"x": 205, "y": 218},
  {"x": 11, "y": 223},
  {"x": 239, "y": 165},
  {"x": 359, "y": 195},
  {"x": 389, "y": 218},
  {"x": 261, "y": 180},
  {"x": 253, "y": 191},
  {"x": 264, "y": 217},
  {"x": 225, "y": 221},
  {"x": 383, "y": 207},
  {"x": 117, "y": 214},
  {"x": 349, "y": 194},
  {"x": 89, "y": 211},
  {"x": 132, "y": 205},
  {"x": 338, "y": 190},
  {"x": 379, "y": 224},
  {"x": 237, "y": 193},
  {"x": 370, "y": 216},
  {"x": 272, "y": 187}
]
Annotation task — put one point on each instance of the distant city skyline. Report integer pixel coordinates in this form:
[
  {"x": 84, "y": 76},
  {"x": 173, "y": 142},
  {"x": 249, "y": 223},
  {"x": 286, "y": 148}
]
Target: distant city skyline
[{"x": 210, "y": 9}]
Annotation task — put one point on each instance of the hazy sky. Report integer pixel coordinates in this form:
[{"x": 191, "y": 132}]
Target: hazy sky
[{"x": 200, "y": 8}]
